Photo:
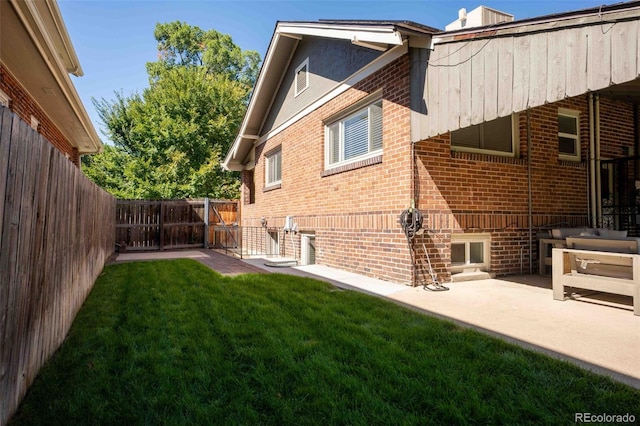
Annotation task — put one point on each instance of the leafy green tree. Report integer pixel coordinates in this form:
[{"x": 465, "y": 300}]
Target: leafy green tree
[{"x": 168, "y": 142}]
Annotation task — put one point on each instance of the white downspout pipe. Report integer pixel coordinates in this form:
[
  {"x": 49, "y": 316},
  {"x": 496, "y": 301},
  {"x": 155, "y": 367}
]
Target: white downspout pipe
[
  {"x": 592, "y": 165},
  {"x": 598, "y": 171}
]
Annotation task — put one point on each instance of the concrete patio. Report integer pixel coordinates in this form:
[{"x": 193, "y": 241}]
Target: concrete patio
[{"x": 598, "y": 333}]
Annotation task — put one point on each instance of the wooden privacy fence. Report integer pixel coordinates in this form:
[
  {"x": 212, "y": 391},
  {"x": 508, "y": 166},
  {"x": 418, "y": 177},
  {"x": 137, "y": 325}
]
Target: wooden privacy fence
[
  {"x": 172, "y": 224},
  {"x": 57, "y": 231}
]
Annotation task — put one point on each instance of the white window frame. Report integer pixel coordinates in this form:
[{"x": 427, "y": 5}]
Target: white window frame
[
  {"x": 275, "y": 155},
  {"x": 5, "y": 100},
  {"x": 305, "y": 65},
  {"x": 465, "y": 239},
  {"x": 571, "y": 113},
  {"x": 515, "y": 141},
  {"x": 307, "y": 245},
  {"x": 371, "y": 152}
]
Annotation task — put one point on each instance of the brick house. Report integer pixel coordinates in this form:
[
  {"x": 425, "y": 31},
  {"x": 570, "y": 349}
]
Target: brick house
[
  {"x": 36, "y": 58},
  {"x": 493, "y": 132}
]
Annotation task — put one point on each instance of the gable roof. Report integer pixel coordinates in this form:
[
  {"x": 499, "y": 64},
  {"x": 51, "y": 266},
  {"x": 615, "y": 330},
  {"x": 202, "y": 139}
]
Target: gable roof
[
  {"x": 378, "y": 35},
  {"x": 37, "y": 51}
]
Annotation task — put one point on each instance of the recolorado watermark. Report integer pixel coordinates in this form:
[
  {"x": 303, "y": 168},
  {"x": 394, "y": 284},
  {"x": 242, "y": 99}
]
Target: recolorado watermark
[{"x": 604, "y": 418}]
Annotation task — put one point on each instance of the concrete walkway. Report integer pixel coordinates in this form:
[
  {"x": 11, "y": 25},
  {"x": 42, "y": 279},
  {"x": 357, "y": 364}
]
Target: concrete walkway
[{"x": 599, "y": 334}]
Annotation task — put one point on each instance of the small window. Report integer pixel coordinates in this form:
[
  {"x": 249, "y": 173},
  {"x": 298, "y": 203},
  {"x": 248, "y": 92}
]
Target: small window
[
  {"x": 302, "y": 77},
  {"x": 4, "y": 99},
  {"x": 569, "y": 134},
  {"x": 273, "y": 172},
  {"x": 470, "y": 252},
  {"x": 355, "y": 137},
  {"x": 492, "y": 137}
]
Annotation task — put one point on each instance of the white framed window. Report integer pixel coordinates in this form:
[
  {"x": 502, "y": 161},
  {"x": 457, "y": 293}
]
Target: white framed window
[
  {"x": 307, "y": 248},
  {"x": 569, "y": 134},
  {"x": 5, "y": 100},
  {"x": 302, "y": 77},
  {"x": 273, "y": 167},
  {"x": 355, "y": 137},
  {"x": 497, "y": 137},
  {"x": 470, "y": 252}
]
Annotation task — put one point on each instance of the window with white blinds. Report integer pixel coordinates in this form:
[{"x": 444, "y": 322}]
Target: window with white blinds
[
  {"x": 355, "y": 137},
  {"x": 492, "y": 137}
]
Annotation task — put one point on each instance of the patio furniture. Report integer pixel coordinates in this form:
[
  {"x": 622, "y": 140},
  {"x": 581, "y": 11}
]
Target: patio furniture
[{"x": 611, "y": 266}]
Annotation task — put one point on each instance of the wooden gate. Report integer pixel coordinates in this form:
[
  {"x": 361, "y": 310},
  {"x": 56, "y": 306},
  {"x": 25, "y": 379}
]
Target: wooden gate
[{"x": 171, "y": 224}]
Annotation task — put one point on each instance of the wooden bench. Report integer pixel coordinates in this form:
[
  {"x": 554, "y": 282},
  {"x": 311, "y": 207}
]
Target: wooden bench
[{"x": 605, "y": 271}]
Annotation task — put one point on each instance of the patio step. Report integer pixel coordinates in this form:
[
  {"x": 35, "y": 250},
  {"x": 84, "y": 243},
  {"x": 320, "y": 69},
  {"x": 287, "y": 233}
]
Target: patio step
[{"x": 470, "y": 276}]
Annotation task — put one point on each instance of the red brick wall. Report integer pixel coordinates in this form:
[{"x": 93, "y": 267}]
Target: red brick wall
[
  {"x": 464, "y": 192},
  {"x": 24, "y": 106},
  {"x": 354, "y": 214}
]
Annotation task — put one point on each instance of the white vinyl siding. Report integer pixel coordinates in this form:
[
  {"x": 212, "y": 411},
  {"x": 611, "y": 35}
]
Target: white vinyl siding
[
  {"x": 569, "y": 134},
  {"x": 493, "y": 137},
  {"x": 355, "y": 137},
  {"x": 302, "y": 77},
  {"x": 273, "y": 172}
]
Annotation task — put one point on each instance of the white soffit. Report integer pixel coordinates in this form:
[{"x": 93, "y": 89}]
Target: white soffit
[{"x": 385, "y": 34}]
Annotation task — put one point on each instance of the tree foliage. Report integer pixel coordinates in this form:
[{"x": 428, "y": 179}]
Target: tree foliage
[{"x": 168, "y": 142}]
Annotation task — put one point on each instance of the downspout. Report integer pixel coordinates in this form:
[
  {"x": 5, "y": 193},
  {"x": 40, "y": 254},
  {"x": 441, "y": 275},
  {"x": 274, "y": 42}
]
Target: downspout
[
  {"x": 592, "y": 165},
  {"x": 597, "y": 165},
  {"x": 529, "y": 192}
]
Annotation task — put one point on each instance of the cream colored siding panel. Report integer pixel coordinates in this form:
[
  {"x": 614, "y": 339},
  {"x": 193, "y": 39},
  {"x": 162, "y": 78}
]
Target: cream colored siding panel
[
  {"x": 454, "y": 89},
  {"x": 464, "y": 76},
  {"x": 624, "y": 40},
  {"x": 538, "y": 70},
  {"x": 599, "y": 57},
  {"x": 445, "y": 87},
  {"x": 556, "y": 65},
  {"x": 505, "y": 76},
  {"x": 521, "y": 73},
  {"x": 477, "y": 83},
  {"x": 576, "y": 53},
  {"x": 491, "y": 80}
]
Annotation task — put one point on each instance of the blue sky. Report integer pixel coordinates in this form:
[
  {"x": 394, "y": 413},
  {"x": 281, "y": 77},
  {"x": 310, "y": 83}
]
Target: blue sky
[{"x": 114, "y": 38}]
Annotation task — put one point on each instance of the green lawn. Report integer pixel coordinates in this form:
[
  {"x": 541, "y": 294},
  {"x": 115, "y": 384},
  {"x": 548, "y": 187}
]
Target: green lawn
[{"x": 172, "y": 342}]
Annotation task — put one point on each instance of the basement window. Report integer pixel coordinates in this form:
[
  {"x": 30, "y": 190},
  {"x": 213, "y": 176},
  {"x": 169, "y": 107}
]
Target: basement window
[
  {"x": 470, "y": 252},
  {"x": 497, "y": 137},
  {"x": 302, "y": 77},
  {"x": 569, "y": 134}
]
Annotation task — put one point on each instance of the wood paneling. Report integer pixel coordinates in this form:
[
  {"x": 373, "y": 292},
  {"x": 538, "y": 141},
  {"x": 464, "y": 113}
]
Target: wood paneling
[{"x": 57, "y": 231}]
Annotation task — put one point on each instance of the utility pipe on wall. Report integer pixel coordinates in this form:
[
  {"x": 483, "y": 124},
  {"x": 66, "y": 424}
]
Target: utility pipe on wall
[
  {"x": 592, "y": 165},
  {"x": 598, "y": 171},
  {"x": 530, "y": 196}
]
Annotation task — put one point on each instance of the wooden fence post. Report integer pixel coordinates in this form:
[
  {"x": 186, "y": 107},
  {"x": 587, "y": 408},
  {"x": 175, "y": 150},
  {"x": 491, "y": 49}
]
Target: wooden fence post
[
  {"x": 205, "y": 243},
  {"x": 162, "y": 211}
]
